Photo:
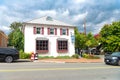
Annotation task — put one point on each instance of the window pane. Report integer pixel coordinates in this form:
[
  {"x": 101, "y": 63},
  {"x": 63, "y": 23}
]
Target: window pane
[
  {"x": 62, "y": 45},
  {"x": 51, "y": 30},
  {"x": 64, "y": 31},
  {"x": 38, "y": 30},
  {"x": 42, "y": 44}
]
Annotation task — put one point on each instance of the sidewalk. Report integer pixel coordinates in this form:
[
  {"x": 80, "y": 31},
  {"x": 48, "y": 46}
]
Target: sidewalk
[{"x": 81, "y": 60}]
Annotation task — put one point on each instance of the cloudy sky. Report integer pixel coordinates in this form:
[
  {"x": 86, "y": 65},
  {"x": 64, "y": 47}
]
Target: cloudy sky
[{"x": 96, "y": 12}]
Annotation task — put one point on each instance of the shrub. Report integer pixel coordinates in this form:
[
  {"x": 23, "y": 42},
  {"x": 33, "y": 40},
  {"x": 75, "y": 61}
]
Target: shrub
[
  {"x": 75, "y": 56},
  {"x": 24, "y": 55},
  {"x": 85, "y": 55},
  {"x": 89, "y": 56}
]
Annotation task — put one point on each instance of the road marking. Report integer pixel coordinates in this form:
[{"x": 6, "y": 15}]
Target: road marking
[{"x": 48, "y": 69}]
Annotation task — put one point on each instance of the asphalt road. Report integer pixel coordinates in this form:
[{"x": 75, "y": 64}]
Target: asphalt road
[{"x": 58, "y": 71}]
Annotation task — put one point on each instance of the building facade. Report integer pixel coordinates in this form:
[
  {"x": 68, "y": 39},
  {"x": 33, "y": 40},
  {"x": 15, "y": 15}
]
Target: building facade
[
  {"x": 3, "y": 39},
  {"x": 48, "y": 37}
]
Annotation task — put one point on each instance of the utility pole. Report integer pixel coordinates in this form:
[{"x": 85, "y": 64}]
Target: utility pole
[{"x": 84, "y": 26}]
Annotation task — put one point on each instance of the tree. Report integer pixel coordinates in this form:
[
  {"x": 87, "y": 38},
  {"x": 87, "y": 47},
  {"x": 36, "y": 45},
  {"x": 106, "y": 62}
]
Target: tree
[
  {"x": 83, "y": 41},
  {"x": 15, "y": 25},
  {"x": 91, "y": 41},
  {"x": 80, "y": 39},
  {"x": 111, "y": 37},
  {"x": 16, "y": 37}
]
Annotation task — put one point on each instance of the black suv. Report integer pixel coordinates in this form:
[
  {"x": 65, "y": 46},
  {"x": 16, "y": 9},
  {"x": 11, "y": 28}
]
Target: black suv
[
  {"x": 8, "y": 54},
  {"x": 113, "y": 58}
]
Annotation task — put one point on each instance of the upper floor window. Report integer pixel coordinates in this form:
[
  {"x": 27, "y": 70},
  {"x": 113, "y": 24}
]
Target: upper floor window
[
  {"x": 52, "y": 31},
  {"x": 38, "y": 30},
  {"x": 64, "y": 31}
]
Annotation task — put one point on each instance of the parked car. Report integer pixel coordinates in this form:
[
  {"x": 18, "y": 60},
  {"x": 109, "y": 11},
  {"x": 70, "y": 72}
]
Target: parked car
[
  {"x": 113, "y": 58},
  {"x": 95, "y": 51},
  {"x": 8, "y": 54}
]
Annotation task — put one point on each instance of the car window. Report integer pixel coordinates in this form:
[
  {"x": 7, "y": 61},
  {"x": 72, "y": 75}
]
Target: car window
[
  {"x": 116, "y": 54},
  {"x": 8, "y": 50}
]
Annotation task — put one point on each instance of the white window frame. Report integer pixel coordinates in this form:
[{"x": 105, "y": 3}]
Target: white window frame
[
  {"x": 52, "y": 31},
  {"x": 38, "y": 29},
  {"x": 64, "y": 31}
]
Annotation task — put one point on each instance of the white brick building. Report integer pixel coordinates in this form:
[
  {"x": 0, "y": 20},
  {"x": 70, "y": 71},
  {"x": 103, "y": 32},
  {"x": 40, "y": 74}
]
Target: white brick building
[{"x": 49, "y": 37}]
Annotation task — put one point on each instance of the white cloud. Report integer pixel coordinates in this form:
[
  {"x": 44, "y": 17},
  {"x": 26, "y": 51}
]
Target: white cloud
[
  {"x": 98, "y": 26},
  {"x": 5, "y": 29},
  {"x": 78, "y": 17},
  {"x": 65, "y": 13},
  {"x": 45, "y": 12},
  {"x": 97, "y": 13},
  {"x": 79, "y": 1}
]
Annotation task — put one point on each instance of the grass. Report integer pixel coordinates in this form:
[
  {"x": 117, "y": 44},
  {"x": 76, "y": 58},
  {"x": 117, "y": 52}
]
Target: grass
[{"x": 90, "y": 56}]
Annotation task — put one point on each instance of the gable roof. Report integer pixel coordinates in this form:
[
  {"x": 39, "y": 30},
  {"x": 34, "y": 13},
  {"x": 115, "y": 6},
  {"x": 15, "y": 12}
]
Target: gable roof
[{"x": 47, "y": 20}]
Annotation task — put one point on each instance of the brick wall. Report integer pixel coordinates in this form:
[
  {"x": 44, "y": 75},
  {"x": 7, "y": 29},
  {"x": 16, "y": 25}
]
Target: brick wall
[{"x": 3, "y": 40}]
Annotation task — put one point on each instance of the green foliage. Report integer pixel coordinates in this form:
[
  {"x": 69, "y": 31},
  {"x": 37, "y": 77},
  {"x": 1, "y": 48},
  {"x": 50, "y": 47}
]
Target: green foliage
[
  {"x": 24, "y": 55},
  {"x": 91, "y": 41},
  {"x": 83, "y": 41},
  {"x": 15, "y": 25},
  {"x": 75, "y": 56},
  {"x": 111, "y": 37},
  {"x": 80, "y": 39},
  {"x": 16, "y": 37},
  {"x": 45, "y": 57},
  {"x": 89, "y": 56}
]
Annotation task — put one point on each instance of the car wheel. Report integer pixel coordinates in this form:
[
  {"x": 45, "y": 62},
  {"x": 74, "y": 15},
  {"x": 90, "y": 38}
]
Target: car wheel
[
  {"x": 119, "y": 63},
  {"x": 107, "y": 63},
  {"x": 8, "y": 59}
]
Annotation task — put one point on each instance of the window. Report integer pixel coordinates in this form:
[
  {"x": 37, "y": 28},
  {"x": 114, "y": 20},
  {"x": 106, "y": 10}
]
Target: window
[
  {"x": 51, "y": 30},
  {"x": 62, "y": 45},
  {"x": 63, "y": 31},
  {"x": 38, "y": 30},
  {"x": 42, "y": 45},
  {"x": 49, "y": 18}
]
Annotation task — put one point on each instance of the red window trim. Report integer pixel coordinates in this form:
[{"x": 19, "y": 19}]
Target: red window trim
[
  {"x": 42, "y": 51},
  {"x": 67, "y": 31},
  {"x": 62, "y": 51},
  {"x": 48, "y": 31},
  {"x": 60, "y": 31},
  {"x": 42, "y": 30},
  {"x": 55, "y": 31},
  {"x": 34, "y": 30}
]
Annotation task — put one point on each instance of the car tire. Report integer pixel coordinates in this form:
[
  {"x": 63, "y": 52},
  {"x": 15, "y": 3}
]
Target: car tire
[
  {"x": 107, "y": 63},
  {"x": 119, "y": 63},
  {"x": 8, "y": 59}
]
